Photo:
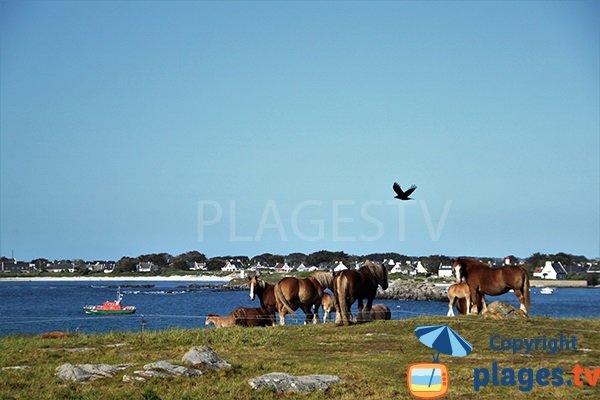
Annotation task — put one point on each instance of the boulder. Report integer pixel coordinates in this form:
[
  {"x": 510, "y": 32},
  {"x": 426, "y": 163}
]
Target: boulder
[
  {"x": 501, "y": 310},
  {"x": 160, "y": 369},
  {"x": 281, "y": 382},
  {"x": 88, "y": 372},
  {"x": 204, "y": 357},
  {"x": 410, "y": 289}
]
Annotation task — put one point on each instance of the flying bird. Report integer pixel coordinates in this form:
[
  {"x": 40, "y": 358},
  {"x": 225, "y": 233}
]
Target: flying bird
[{"x": 402, "y": 195}]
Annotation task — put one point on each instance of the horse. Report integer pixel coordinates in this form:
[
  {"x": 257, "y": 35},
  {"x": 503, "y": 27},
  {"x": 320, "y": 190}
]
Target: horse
[
  {"x": 293, "y": 293},
  {"x": 256, "y": 316},
  {"x": 242, "y": 316},
  {"x": 220, "y": 322},
  {"x": 328, "y": 303},
  {"x": 459, "y": 291},
  {"x": 379, "y": 312},
  {"x": 352, "y": 285},
  {"x": 266, "y": 294},
  {"x": 484, "y": 280}
]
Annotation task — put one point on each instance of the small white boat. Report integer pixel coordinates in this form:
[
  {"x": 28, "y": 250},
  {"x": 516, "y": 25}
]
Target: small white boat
[{"x": 547, "y": 290}]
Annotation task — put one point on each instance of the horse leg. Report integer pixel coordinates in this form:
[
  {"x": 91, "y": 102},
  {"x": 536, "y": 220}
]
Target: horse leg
[
  {"x": 521, "y": 299},
  {"x": 450, "y": 305},
  {"x": 316, "y": 315},
  {"x": 282, "y": 312},
  {"x": 474, "y": 302},
  {"x": 483, "y": 305},
  {"x": 469, "y": 304},
  {"x": 309, "y": 314}
]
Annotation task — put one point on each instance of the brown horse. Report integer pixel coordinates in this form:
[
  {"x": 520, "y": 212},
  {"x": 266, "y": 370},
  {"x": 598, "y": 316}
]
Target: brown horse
[
  {"x": 352, "y": 285},
  {"x": 266, "y": 294},
  {"x": 379, "y": 312},
  {"x": 220, "y": 322},
  {"x": 243, "y": 316},
  {"x": 484, "y": 280},
  {"x": 293, "y": 293},
  {"x": 328, "y": 303}
]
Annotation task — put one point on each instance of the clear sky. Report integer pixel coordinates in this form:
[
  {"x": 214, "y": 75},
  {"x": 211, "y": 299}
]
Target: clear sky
[{"x": 248, "y": 127}]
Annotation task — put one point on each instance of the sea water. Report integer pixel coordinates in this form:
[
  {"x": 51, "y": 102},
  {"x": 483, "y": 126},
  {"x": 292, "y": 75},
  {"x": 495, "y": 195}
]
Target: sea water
[{"x": 37, "y": 307}]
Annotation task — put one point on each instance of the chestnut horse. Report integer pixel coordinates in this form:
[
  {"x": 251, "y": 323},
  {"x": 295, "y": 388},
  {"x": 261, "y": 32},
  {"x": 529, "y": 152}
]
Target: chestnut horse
[
  {"x": 266, "y": 294},
  {"x": 293, "y": 293},
  {"x": 243, "y": 316},
  {"x": 484, "y": 280},
  {"x": 379, "y": 312},
  {"x": 352, "y": 285}
]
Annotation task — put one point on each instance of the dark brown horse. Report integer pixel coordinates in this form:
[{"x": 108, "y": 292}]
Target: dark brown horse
[
  {"x": 266, "y": 294},
  {"x": 483, "y": 280},
  {"x": 379, "y": 312},
  {"x": 351, "y": 285},
  {"x": 293, "y": 293}
]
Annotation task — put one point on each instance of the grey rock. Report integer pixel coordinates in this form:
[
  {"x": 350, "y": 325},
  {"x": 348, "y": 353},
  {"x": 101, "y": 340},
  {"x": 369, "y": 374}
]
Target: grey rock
[
  {"x": 281, "y": 382},
  {"x": 204, "y": 357},
  {"x": 165, "y": 369},
  {"x": 88, "y": 372},
  {"x": 408, "y": 289}
]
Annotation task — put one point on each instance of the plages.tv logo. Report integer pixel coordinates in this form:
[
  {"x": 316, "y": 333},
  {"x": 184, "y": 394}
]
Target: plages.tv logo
[{"x": 431, "y": 380}]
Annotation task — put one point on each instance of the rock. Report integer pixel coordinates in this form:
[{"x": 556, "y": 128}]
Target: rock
[
  {"x": 409, "y": 289},
  {"x": 204, "y": 357},
  {"x": 88, "y": 372},
  {"x": 171, "y": 369},
  {"x": 501, "y": 310},
  {"x": 16, "y": 368},
  {"x": 160, "y": 369},
  {"x": 281, "y": 382}
]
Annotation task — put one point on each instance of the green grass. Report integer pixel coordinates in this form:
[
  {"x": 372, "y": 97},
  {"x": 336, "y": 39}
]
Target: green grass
[{"x": 370, "y": 358}]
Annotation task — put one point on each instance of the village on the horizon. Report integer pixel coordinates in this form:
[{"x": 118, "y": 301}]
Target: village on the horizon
[{"x": 541, "y": 266}]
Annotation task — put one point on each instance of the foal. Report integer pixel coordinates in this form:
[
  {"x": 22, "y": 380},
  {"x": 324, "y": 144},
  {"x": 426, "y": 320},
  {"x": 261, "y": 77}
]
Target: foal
[
  {"x": 460, "y": 291},
  {"x": 328, "y": 302},
  {"x": 220, "y": 322}
]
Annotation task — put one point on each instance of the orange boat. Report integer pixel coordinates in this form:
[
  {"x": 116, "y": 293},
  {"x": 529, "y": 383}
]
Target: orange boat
[{"x": 110, "y": 307}]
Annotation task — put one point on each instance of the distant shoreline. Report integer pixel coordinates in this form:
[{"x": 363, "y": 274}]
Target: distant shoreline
[{"x": 174, "y": 278}]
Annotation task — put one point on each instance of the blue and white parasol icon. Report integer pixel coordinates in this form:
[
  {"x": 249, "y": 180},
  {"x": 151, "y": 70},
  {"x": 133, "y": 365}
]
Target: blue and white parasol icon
[{"x": 443, "y": 339}]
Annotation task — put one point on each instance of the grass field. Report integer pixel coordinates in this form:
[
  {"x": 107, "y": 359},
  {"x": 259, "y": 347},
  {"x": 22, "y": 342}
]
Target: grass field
[{"x": 370, "y": 358}]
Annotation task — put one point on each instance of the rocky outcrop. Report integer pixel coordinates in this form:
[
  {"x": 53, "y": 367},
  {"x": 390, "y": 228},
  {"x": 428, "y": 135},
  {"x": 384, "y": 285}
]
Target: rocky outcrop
[
  {"x": 236, "y": 284},
  {"x": 160, "y": 369},
  {"x": 88, "y": 372},
  {"x": 204, "y": 357},
  {"x": 402, "y": 289},
  {"x": 281, "y": 382},
  {"x": 501, "y": 310}
]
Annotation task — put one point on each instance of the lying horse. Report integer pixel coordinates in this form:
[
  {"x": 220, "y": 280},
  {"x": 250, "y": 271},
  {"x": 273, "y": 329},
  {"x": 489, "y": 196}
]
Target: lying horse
[
  {"x": 379, "y": 312},
  {"x": 293, "y": 293},
  {"x": 242, "y": 316},
  {"x": 220, "y": 322},
  {"x": 328, "y": 303},
  {"x": 266, "y": 294},
  {"x": 351, "y": 285},
  {"x": 484, "y": 280}
]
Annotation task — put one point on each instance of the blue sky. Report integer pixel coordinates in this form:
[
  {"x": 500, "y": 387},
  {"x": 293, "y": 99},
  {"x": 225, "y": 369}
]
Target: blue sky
[{"x": 250, "y": 127}]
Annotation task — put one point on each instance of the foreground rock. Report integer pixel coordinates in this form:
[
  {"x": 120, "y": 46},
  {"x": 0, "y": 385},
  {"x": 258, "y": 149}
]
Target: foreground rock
[
  {"x": 402, "y": 289},
  {"x": 281, "y": 382},
  {"x": 204, "y": 357},
  {"x": 501, "y": 310},
  {"x": 88, "y": 372},
  {"x": 161, "y": 369}
]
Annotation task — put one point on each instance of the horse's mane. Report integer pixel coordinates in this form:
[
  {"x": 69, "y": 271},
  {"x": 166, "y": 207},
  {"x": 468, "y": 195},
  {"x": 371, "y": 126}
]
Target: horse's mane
[{"x": 325, "y": 279}]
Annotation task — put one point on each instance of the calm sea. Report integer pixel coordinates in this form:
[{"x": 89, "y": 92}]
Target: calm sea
[{"x": 37, "y": 307}]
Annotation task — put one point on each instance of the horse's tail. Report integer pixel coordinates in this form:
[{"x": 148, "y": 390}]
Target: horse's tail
[
  {"x": 340, "y": 294},
  {"x": 279, "y": 295},
  {"x": 526, "y": 289}
]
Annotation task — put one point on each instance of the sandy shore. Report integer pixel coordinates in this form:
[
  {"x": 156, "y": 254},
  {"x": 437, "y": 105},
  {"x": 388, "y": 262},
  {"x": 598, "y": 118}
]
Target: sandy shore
[{"x": 204, "y": 278}]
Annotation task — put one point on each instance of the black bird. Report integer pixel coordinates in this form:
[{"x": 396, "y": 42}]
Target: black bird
[{"x": 402, "y": 195}]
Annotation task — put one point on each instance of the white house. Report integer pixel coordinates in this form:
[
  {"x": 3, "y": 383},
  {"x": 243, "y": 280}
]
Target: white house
[
  {"x": 230, "y": 267},
  {"x": 145, "y": 266},
  {"x": 421, "y": 268},
  {"x": 198, "y": 266},
  {"x": 551, "y": 270},
  {"x": 340, "y": 266},
  {"x": 302, "y": 268},
  {"x": 398, "y": 269},
  {"x": 445, "y": 271}
]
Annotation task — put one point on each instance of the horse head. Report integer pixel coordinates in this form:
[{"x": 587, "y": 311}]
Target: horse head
[
  {"x": 458, "y": 271},
  {"x": 255, "y": 285}
]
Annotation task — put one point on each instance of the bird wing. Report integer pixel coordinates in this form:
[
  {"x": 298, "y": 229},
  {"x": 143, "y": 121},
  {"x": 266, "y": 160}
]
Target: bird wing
[
  {"x": 397, "y": 189},
  {"x": 410, "y": 190}
]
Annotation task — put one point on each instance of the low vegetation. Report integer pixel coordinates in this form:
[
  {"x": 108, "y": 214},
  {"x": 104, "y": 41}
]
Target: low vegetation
[{"x": 370, "y": 358}]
